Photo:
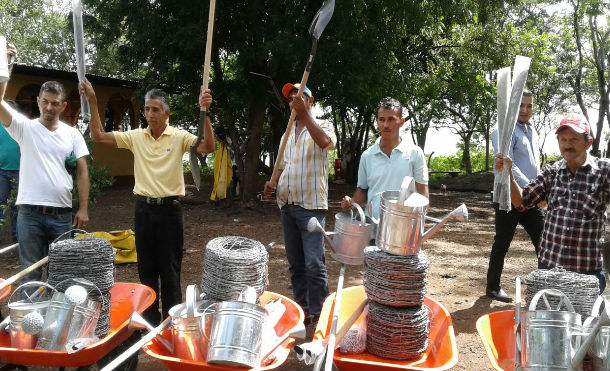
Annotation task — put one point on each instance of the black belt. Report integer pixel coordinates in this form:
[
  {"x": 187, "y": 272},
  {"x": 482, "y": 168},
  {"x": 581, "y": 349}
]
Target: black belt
[
  {"x": 171, "y": 200},
  {"x": 48, "y": 210}
]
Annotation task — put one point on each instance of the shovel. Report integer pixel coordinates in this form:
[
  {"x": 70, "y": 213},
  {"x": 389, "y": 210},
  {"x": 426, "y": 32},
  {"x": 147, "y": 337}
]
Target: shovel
[
  {"x": 137, "y": 322},
  {"x": 517, "y": 323},
  {"x": 203, "y": 113},
  {"x": 316, "y": 28},
  {"x": 299, "y": 332},
  {"x": 23, "y": 273},
  {"x": 8, "y": 248},
  {"x": 312, "y": 351}
]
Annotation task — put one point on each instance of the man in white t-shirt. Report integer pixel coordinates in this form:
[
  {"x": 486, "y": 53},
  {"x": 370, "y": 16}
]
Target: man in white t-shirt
[{"x": 44, "y": 195}]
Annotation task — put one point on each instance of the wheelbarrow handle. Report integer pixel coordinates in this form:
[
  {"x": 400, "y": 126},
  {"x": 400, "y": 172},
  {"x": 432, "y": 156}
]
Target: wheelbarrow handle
[{"x": 136, "y": 346}]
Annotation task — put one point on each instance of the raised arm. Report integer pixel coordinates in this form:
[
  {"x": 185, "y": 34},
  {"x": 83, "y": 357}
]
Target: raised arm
[
  {"x": 207, "y": 143},
  {"x": 5, "y": 113},
  {"x": 95, "y": 125}
]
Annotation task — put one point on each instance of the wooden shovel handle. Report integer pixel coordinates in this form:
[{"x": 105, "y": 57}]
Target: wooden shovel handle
[
  {"x": 24, "y": 272},
  {"x": 280, "y": 153},
  {"x": 350, "y": 321},
  {"x": 208, "y": 45}
]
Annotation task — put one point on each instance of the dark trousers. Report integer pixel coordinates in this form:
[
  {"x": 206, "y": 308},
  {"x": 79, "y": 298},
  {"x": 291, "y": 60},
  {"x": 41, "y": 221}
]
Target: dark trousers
[
  {"x": 532, "y": 221},
  {"x": 159, "y": 240}
]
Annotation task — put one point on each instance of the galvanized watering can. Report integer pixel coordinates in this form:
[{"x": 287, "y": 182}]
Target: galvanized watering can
[
  {"x": 400, "y": 229},
  {"x": 27, "y": 314},
  {"x": 600, "y": 347},
  {"x": 186, "y": 328},
  {"x": 352, "y": 234},
  {"x": 71, "y": 316},
  {"x": 550, "y": 337}
]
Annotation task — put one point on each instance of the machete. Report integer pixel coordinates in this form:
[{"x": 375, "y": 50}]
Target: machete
[{"x": 79, "y": 46}]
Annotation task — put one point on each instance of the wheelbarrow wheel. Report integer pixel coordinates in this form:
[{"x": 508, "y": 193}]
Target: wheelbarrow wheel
[{"x": 129, "y": 365}]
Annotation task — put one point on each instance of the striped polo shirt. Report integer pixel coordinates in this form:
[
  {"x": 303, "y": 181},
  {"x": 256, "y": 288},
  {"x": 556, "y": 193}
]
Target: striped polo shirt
[{"x": 304, "y": 179}]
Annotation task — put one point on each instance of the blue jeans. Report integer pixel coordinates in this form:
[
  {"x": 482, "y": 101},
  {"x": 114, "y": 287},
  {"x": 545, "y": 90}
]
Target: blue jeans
[
  {"x": 597, "y": 273},
  {"x": 36, "y": 231},
  {"x": 8, "y": 182},
  {"x": 305, "y": 254}
]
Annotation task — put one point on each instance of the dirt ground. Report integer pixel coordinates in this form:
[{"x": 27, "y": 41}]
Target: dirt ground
[{"x": 458, "y": 254}]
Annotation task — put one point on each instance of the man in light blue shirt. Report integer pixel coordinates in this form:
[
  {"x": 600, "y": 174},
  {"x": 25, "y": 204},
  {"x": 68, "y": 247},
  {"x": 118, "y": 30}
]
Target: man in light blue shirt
[
  {"x": 384, "y": 165},
  {"x": 9, "y": 178},
  {"x": 526, "y": 166}
]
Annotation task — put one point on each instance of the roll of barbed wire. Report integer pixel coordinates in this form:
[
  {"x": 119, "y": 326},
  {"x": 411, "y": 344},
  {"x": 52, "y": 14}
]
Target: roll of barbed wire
[
  {"x": 87, "y": 257},
  {"x": 397, "y": 333},
  {"x": 395, "y": 280},
  {"x": 230, "y": 264},
  {"x": 581, "y": 289}
]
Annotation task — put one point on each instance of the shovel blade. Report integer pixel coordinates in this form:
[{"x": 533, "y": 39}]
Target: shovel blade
[
  {"x": 195, "y": 167},
  {"x": 320, "y": 21}
]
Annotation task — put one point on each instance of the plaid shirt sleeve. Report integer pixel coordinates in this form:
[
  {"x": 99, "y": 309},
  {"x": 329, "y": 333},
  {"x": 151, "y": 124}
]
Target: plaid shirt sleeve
[{"x": 537, "y": 190}]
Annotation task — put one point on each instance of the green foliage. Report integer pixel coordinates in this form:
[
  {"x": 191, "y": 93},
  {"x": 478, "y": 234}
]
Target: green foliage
[
  {"x": 203, "y": 170},
  {"x": 99, "y": 179},
  {"x": 454, "y": 162}
]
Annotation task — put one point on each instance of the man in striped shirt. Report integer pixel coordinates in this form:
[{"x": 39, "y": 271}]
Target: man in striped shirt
[
  {"x": 302, "y": 193},
  {"x": 576, "y": 190}
]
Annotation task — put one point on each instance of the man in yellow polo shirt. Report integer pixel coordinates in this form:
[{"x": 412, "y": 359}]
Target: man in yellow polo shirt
[{"x": 159, "y": 181}]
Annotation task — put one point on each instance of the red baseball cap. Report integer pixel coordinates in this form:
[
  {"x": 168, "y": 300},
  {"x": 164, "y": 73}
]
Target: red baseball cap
[
  {"x": 287, "y": 88},
  {"x": 576, "y": 122}
]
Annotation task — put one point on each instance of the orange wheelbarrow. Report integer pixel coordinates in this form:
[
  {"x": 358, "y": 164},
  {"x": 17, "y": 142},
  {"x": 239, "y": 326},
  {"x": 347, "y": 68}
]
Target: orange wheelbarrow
[
  {"x": 125, "y": 299},
  {"x": 498, "y": 335},
  {"x": 440, "y": 355},
  {"x": 5, "y": 291},
  {"x": 291, "y": 318}
]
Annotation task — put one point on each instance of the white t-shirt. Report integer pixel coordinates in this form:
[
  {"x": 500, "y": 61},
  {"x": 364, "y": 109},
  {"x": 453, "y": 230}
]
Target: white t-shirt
[{"x": 43, "y": 178}]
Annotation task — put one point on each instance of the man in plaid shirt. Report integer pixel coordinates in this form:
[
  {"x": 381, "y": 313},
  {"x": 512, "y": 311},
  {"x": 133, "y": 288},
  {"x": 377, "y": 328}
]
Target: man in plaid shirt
[{"x": 576, "y": 190}]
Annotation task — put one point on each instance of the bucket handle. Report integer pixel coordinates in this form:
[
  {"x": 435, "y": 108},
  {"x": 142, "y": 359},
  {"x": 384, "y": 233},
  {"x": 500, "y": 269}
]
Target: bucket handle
[
  {"x": 192, "y": 294},
  {"x": 72, "y": 234},
  {"x": 552, "y": 292},
  {"x": 360, "y": 212},
  {"x": 36, "y": 293},
  {"x": 203, "y": 321}
]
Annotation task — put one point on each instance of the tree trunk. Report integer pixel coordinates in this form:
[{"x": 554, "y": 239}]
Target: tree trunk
[{"x": 256, "y": 118}]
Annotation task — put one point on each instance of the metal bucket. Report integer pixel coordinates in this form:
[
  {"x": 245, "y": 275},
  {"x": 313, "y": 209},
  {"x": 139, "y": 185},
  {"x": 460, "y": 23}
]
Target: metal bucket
[
  {"x": 351, "y": 236},
  {"x": 65, "y": 322},
  {"x": 236, "y": 335},
  {"x": 19, "y": 309},
  {"x": 549, "y": 338},
  {"x": 400, "y": 227},
  {"x": 600, "y": 350}
]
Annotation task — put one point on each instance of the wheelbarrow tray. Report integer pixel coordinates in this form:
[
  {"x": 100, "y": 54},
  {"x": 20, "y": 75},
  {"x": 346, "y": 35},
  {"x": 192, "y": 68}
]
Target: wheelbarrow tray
[
  {"x": 441, "y": 353},
  {"x": 293, "y": 316},
  {"x": 497, "y": 333},
  {"x": 125, "y": 298},
  {"x": 5, "y": 291}
]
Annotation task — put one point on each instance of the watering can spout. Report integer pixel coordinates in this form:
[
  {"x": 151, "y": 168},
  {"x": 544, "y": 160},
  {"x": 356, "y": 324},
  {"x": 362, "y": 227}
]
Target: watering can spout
[{"x": 460, "y": 214}]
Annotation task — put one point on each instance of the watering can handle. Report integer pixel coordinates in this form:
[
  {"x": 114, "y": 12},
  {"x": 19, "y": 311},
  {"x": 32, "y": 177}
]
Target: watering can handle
[
  {"x": 370, "y": 206},
  {"x": 203, "y": 321},
  {"x": 192, "y": 294},
  {"x": 360, "y": 212},
  {"x": 597, "y": 305},
  {"x": 553, "y": 292}
]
